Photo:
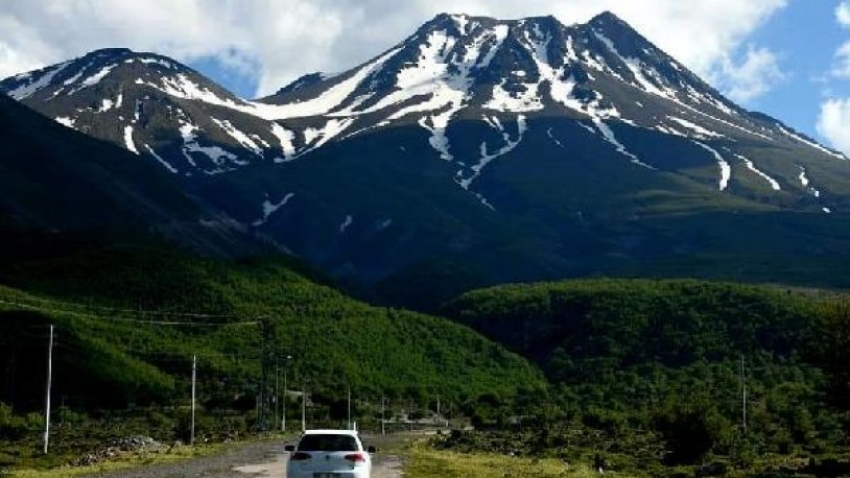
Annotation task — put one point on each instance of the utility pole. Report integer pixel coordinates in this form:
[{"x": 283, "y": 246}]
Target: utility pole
[
  {"x": 349, "y": 408},
  {"x": 47, "y": 396},
  {"x": 283, "y": 401},
  {"x": 743, "y": 396},
  {"x": 383, "y": 421},
  {"x": 303, "y": 407},
  {"x": 267, "y": 333},
  {"x": 263, "y": 375},
  {"x": 276, "y": 388},
  {"x": 194, "y": 377}
]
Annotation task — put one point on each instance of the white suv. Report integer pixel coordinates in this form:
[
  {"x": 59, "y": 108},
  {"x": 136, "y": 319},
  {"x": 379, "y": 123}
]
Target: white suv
[{"x": 329, "y": 454}]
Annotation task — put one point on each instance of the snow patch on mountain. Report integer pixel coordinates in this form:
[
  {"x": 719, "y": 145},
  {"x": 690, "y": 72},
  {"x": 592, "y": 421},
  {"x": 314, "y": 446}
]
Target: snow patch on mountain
[
  {"x": 587, "y": 128},
  {"x": 804, "y": 180},
  {"x": 437, "y": 125},
  {"x": 95, "y": 79},
  {"x": 798, "y": 138},
  {"x": 670, "y": 130},
  {"x": 162, "y": 161},
  {"x": 318, "y": 137},
  {"x": 699, "y": 130},
  {"x": 497, "y": 38},
  {"x": 66, "y": 121},
  {"x": 128, "y": 139},
  {"x": 107, "y": 104},
  {"x": 216, "y": 154},
  {"x": 32, "y": 87},
  {"x": 524, "y": 101},
  {"x": 352, "y": 108},
  {"x": 723, "y": 122},
  {"x": 484, "y": 201},
  {"x": 637, "y": 68},
  {"x": 286, "y": 139},
  {"x": 553, "y": 138},
  {"x": 774, "y": 184},
  {"x": 429, "y": 78},
  {"x": 598, "y": 63},
  {"x": 608, "y": 135},
  {"x": 486, "y": 157},
  {"x": 238, "y": 135},
  {"x": 153, "y": 61},
  {"x": 270, "y": 208},
  {"x": 444, "y": 92},
  {"x": 530, "y": 99},
  {"x": 346, "y": 224},
  {"x": 725, "y": 168},
  {"x": 328, "y": 100},
  {"x": 180, "y": 86}
]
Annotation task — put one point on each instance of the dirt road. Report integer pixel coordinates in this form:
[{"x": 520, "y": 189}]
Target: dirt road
[{"x": 254, "y": 460}]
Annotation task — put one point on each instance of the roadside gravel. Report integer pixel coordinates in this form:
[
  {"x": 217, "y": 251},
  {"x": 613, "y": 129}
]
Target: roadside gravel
[{"x": 219, "y": 466}]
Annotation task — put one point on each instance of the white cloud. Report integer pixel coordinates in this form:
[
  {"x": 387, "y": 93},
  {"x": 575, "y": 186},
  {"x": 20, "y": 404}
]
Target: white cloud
[
  {"x": 842, "y": 13},
  {"x": 287, "y": 38},
  {"x": 753, "y": 77},
  {"x": 834, "y": 123},
  {"x": 841, "y": 68}
]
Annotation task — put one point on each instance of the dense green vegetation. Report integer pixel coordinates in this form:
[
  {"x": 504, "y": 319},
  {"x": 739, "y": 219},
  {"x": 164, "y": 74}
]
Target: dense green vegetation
[
  {"x": 656, "y": 371},
  {"x": 653, "y": 375},
  {"x": 128, "y": 322}
]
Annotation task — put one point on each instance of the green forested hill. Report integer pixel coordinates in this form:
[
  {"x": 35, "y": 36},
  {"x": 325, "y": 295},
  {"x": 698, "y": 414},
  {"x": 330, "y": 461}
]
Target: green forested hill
[
  {"x": 674, "y": 322},
  {"x": 682, "y": 359},
  {"x": 129, "y": 320}
]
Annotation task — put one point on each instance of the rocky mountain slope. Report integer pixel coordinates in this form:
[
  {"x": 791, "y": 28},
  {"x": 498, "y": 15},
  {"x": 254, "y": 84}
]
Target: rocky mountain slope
[
  {"x": 64, "y": 183},
  {"x": 478, "y": 151}
]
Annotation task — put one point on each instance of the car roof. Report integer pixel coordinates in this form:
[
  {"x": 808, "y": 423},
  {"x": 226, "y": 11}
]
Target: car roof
[{"x": 331, "y": 432}]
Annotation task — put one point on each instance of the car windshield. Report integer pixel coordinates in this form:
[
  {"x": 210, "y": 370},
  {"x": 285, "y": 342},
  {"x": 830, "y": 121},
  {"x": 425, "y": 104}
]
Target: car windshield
[{"x": 327, "y": 443}]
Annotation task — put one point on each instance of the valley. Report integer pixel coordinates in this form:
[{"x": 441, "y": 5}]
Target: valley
[{"x": 555, "y": 243}]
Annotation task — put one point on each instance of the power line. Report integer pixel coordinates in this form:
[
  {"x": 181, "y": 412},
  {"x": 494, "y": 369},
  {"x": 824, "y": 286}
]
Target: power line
[
  {"x": 134, "y": 321},
  {"x": 130, "y": 311}
]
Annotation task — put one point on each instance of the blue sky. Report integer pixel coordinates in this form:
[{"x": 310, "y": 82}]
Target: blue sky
[
  {"x": 780, "y": 57},
  {"x": 805, "y": 37}
]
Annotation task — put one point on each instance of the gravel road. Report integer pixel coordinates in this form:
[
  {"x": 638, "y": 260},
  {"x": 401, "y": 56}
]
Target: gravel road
[{"x": 253, "y": 460}]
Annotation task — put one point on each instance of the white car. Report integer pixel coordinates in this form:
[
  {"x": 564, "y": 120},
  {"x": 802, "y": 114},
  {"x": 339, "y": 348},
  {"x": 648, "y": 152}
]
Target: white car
[{"x": 329, "y": 454}]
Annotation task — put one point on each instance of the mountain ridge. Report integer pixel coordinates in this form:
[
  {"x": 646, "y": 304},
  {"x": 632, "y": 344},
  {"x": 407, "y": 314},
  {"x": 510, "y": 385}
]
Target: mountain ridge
[
  {"x": 525, "y": 149},
  {"x": 66, "y": 184}
]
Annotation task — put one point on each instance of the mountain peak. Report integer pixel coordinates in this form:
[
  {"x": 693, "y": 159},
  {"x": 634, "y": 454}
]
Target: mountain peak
[
  {"x": 607, "y": 18},
  {"x": 543, "y": 19},
  {"x": 304, "y": 81},
  {"x": 88, "y": 70}
]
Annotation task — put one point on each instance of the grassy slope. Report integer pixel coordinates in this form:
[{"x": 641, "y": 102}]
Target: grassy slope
[{"x": 334, "y": 340}]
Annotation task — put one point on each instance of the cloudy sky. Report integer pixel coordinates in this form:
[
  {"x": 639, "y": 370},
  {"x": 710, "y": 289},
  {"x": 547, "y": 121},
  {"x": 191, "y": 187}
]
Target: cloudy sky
[{"x": 788, "y": 58}]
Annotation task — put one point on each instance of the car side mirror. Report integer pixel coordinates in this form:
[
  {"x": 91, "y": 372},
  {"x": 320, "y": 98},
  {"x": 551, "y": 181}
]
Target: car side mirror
[
  {"x": 289, "y": 448},
  {"x": 372, "y": 449}
]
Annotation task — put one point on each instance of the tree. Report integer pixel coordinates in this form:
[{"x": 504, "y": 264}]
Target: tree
[
  {"x": 691, "y": 430},
  {"x": 831, "y": 349}
]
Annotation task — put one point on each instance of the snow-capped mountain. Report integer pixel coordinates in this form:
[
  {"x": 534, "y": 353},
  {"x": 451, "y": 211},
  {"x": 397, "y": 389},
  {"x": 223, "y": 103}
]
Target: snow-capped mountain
[
  {"x": 505, "y": 74},
  {"x": 152, "y": 106},
  {"x": 524, "y": 149},
  {"x": 454, "y": 69}
]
